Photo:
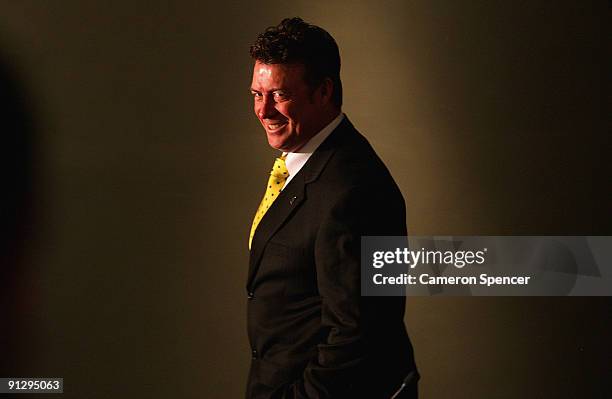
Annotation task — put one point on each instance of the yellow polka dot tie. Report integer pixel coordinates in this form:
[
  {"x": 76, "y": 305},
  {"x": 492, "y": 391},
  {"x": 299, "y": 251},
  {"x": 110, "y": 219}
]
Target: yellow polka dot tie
[{"x": 278, "y": 176}]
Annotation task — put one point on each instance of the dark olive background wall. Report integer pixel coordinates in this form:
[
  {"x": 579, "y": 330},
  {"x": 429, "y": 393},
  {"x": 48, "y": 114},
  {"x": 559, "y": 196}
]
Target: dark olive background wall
[{"x": 133, "y": 164}]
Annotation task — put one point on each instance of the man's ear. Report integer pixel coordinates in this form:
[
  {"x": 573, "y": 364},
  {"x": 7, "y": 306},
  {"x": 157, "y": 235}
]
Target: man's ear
[{"x": 327, "y": 89}]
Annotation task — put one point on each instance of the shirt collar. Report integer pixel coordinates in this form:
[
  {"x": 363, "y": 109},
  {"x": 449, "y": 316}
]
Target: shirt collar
[{"x": 295, "y": 160}]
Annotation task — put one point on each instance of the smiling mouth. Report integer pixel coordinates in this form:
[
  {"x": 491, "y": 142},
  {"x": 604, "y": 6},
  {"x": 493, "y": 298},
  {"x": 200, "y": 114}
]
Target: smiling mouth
[{"x": 273, "y": 127}]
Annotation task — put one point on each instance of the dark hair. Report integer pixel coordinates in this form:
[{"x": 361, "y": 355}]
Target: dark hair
[{"x": 294, "y": 41}]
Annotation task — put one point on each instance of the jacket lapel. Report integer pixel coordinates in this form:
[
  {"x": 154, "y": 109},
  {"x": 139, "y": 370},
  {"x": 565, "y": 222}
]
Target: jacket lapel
[{"x": 288, "y": 200}]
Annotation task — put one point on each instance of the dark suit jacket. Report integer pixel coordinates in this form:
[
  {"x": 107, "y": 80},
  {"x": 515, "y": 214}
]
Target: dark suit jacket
[{"x": 311, "y": 333}]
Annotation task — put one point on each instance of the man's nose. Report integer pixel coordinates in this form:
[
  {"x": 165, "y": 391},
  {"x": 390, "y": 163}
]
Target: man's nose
[{"x": 266, "y": 108}]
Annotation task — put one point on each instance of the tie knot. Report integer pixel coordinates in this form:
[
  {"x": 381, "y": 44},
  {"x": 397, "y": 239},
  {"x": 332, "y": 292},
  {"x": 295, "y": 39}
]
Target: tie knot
[{"x": 280, "y": 169}]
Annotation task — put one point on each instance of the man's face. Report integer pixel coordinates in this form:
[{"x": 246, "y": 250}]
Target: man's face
[{"x": 288, "y": 109}]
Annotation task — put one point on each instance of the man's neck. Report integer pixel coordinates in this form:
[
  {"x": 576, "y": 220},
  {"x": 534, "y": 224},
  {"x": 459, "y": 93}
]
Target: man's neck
[
  {"x": 311, "y": 144},
  {"x": 330, "y": 116}
]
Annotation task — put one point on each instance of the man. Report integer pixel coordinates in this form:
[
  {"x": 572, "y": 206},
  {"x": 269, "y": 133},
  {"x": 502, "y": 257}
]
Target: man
[{"x": 311, "y": 333}]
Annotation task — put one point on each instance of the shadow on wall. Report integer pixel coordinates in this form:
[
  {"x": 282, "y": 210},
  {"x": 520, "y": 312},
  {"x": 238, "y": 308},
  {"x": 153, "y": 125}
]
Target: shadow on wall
[{"x": 17, "y": 174}]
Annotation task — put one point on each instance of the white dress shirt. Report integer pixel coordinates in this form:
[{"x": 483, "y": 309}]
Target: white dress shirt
[{"x": 295, "y": 160}]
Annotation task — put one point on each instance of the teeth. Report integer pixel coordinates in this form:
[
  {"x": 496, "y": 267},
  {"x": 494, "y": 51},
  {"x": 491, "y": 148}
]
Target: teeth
[{"x": 275, "y": 126}]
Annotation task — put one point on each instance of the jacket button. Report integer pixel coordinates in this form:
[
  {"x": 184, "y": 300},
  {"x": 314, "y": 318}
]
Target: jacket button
[
  {"x": 251, "y": 295},
  {"x": 254, "y": 353}
]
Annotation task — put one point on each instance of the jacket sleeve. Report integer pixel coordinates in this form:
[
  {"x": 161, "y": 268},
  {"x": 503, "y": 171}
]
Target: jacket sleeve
[{"x": 344, "y": 358}]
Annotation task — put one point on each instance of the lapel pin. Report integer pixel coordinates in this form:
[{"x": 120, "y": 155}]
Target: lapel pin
[{"x": 291, "y": 200}]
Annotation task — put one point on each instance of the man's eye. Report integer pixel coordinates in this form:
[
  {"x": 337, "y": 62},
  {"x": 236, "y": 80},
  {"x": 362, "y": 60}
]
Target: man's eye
[
  {"x": 257, "y": 96},
  {"x": 280, "y": 95}
]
